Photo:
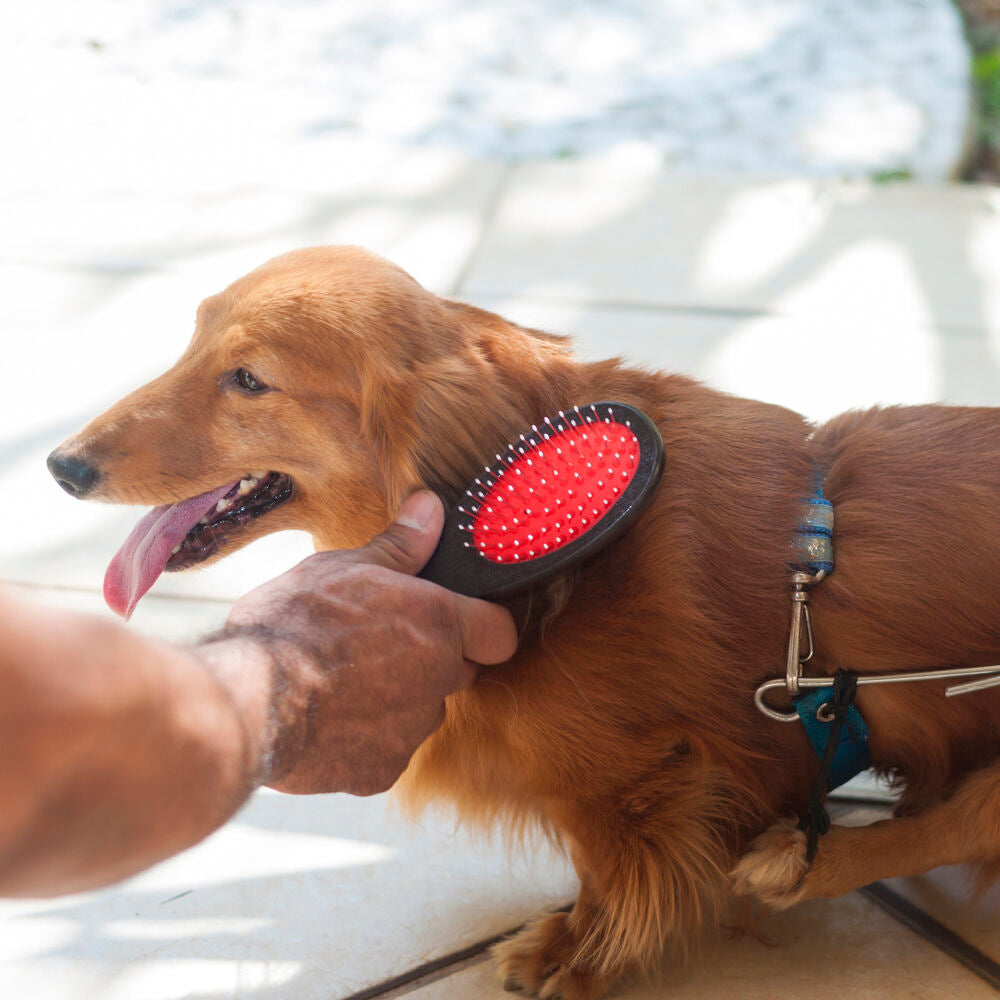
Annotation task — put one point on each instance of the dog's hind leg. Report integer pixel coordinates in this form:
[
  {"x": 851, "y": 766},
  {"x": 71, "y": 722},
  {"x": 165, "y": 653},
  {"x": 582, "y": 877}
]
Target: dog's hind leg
[{"x": 963, "y": 828}]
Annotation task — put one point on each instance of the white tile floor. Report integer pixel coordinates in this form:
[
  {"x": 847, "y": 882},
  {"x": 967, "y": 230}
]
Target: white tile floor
[
  {"x": 817, "y": 295},
  {"x": 311, "y": 898},
  {"x": 846, "y": 947}
]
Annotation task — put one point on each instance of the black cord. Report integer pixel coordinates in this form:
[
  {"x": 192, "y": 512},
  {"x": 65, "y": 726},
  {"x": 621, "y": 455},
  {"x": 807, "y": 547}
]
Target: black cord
[{"x": 816, "y": 820}]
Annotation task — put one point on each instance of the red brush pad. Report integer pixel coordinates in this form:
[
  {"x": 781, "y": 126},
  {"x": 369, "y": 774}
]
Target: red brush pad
[{"x": 555, "y": 492}]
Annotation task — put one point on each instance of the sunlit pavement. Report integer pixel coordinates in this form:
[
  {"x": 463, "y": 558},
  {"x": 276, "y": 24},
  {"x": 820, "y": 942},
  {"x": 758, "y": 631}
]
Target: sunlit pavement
[{"x": 817, "y": 292}]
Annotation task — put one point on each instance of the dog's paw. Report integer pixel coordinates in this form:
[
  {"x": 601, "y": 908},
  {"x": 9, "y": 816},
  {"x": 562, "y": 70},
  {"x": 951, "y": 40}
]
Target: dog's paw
[
  {"x": 537, "y": 960},
  {"x": 775, "y": 867}
]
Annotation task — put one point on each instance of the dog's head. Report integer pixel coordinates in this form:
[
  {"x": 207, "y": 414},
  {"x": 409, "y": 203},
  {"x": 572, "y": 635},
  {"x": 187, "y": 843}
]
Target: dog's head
[{"x": 316, "y": 392}]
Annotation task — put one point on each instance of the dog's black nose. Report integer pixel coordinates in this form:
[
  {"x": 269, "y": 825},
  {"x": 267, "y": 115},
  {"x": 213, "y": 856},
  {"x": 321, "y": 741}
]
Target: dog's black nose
[{"x": 74, "y": 476}]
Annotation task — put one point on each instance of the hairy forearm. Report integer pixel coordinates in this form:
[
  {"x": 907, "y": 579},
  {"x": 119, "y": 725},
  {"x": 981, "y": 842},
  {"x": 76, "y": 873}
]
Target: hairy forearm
[{"x": 118, "y": 750}]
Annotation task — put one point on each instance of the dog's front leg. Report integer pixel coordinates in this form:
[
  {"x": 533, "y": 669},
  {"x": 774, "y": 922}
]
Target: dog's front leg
[
  {"x": 546, "y": 958},
  {"x": 964, "y": 827},
  {"x": 652, "y": 873}
]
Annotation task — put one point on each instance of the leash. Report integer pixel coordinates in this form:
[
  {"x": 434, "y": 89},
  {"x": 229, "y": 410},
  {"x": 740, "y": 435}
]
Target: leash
[{"x": 836, "y": 766}]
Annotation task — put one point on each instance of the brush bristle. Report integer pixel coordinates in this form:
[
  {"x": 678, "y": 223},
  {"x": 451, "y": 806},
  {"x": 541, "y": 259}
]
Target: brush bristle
[{"x": 552, "y": 486}]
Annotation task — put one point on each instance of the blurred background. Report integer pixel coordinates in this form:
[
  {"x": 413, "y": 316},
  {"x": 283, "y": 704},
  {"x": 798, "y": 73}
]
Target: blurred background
[{"x": 791, "y": 199}]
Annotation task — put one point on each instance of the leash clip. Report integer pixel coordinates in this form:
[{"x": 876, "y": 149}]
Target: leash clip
[
  {"x": 801, "y": 621},
  {"x": 800, "y": 616}
]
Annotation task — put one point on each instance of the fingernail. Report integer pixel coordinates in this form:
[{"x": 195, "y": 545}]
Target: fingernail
[{"x": 417, "y": 510}]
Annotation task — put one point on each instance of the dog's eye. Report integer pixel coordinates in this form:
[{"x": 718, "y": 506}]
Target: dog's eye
[{"x": 247, "y": 381}]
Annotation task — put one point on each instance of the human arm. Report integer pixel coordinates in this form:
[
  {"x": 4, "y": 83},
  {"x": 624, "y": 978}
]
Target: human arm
[{"x": 117, "y": 750}]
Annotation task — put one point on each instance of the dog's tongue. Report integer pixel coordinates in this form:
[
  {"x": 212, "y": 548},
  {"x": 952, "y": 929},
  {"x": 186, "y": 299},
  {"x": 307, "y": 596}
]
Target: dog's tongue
[{"x": 139, "y": 562}]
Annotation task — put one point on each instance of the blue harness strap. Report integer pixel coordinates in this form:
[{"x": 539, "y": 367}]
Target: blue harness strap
[{"x": 853, "y": 754}]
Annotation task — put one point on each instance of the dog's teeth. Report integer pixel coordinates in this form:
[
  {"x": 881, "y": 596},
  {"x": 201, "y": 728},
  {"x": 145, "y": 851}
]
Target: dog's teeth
[
  {"x": 258, "y": 475},
  {"x": 222, "y": 505},
  {"x": 175, "y": 550},
  {"x": 246, "y": 486},
  {"x": 204, "y": 520}
]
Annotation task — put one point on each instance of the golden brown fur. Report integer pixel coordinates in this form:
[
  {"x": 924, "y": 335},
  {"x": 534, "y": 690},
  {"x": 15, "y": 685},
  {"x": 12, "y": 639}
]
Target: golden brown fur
[{"x": 628, "y": 731}]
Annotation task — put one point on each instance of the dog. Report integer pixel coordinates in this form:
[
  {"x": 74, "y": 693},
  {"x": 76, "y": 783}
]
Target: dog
[{"x": 624, "y": 726}]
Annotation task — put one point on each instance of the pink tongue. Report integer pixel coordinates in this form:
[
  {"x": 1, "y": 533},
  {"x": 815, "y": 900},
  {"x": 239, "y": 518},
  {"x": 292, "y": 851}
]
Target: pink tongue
[{"x": 139, "y": 562}]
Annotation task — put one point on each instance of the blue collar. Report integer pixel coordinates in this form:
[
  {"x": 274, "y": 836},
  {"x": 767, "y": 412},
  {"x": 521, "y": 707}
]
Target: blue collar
[
  {"x": 812, "y": 548},
  {"x": 813, "y": 551}
]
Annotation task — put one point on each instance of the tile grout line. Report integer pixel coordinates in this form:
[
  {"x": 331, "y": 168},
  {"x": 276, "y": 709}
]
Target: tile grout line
[
  {"x": 438, "y": 968},
  {"x": 933, "y": 931},
  {"x": 688, "y": 308},
  {"x": 71, "y": 588},
  {"x": 427, "y": 978},
  {"x": 488, "y": 217}
]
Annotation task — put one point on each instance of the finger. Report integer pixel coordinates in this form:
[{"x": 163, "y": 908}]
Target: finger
[
  {"x": 467, "y": 675},
  {"x": 410, "y": 540},
  {"x": 489, "y": 634}
]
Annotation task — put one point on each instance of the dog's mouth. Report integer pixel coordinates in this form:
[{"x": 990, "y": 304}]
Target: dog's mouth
[
  {"x": 180, "y": 535},
  {"x": 246, "y": 500}
]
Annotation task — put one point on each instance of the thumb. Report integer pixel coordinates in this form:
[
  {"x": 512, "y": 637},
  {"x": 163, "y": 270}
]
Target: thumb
[{"x": 411, "y": 539}]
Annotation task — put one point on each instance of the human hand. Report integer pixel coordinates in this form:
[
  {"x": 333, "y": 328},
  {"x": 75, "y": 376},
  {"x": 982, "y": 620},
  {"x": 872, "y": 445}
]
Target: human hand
[{"x": 364, "y": 655}]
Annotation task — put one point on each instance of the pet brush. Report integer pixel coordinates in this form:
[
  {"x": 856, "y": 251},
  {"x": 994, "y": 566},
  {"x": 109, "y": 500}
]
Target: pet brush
[{"x": 557, "y": 496}]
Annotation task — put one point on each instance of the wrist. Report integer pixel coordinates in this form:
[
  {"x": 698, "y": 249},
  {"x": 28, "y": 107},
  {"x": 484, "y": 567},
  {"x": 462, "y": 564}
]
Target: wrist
[{"x": 263, "y": 676}]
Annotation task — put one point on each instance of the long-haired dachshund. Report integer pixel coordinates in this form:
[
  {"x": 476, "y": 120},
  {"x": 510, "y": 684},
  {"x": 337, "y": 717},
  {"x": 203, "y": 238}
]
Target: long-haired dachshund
[{"x": 322, "y": 388}]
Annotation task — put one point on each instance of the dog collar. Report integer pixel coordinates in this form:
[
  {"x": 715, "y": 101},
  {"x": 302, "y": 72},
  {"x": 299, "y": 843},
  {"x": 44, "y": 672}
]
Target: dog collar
[{"x": 812, "y": 547}]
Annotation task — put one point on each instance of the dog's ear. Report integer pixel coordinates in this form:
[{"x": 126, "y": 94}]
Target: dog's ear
[
  {"x": 414, "y": 358},
  {"x": 389, "y": 428},
  {"x": 461, "y": 380}
]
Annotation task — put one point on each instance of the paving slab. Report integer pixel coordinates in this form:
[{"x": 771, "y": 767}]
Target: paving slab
[
  {"x": 421, "y": 207},
  {"x": 845, "y": 947},
  {"x": 176, "y": 619},
  {"x": 309, "y": 897},
  {"x": 949, "y": 895},
  {"x": 621, "y": 231},
  {"x": 813, "y": 363}
]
